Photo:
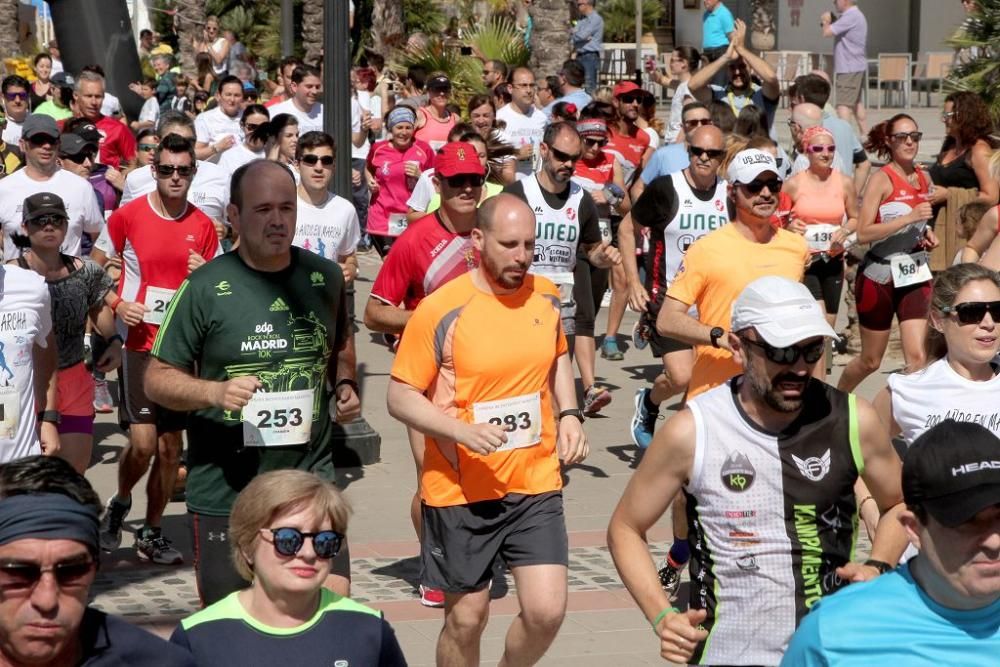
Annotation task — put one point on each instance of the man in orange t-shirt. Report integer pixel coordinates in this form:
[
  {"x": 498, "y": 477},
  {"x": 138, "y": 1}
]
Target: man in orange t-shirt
[{"x": 480, "y": 369}]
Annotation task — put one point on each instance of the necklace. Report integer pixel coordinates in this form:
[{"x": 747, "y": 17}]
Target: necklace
[{"x": 163, "y": 209}]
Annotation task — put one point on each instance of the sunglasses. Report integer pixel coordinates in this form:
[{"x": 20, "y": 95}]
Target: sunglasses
[
  {"x": 564, "y": 157},
  {"x": 42, "y": 140},
  {"x": 755, "y": 187},
  {"x": 311, "y": 160},
  {"x": 18, "y": 577},
  {"x": 815, "y": 148},
  {"x": 632, "y": 98},
  {"x": 465, "y": 181},
  {"x": 80, "y": 158},
  {"x": 973, "y": 312},
  {"x": 712, "y": 153},
  {"x": 147, "y": 147},
  {"x": 44, "y": 221},
  {"x": 695, "y": 122},
  {"x": 600, "y": 143},
  {"x": 947, "y": 115},
  {"x": 15, "y": 96},
  {"x": 167, "y": 170},
  {"x": 289, "y": 541},
  {"x": 903, "y": 136},
  {"x": 786, "y": 356}
]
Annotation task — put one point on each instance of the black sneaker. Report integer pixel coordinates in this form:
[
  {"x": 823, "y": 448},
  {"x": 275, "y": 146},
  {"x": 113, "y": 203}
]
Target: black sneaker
[
  {"x": 670, "y": 579},
  {"x": 151, "y": 546},
  {"x": 111, "y": 524}
]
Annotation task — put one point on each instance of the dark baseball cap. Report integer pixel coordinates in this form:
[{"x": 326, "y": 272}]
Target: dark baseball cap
[
  {"x": 39, "y": 124},
  {"x": 953, "y": 471},
  {"x": 74, "y": 144},
  {"x": 63, "y": 80},
  {"x": 89, "y": 132},
  {"x": 439, "y": 82},
  {"x": 42, "y": 204}
]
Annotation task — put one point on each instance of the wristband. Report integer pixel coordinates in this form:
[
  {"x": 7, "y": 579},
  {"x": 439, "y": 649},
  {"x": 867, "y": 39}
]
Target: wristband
[
  {"x": 51, "y": 416},
  {"x": 879, "y": 565},
  {"x": 865, "y": 500},
  {"x": 350, "y": 383},
  {"x": 114, "y": 304},
  {"x": 662, "y": 614},
  {"x": 116, "y": 337},
  {"x": 572, "y": 412}
]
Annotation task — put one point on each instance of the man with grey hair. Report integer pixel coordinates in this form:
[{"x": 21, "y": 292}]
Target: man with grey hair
[
  {"x": 118, "y": 147},
  {"x": 805, "y": 116}
]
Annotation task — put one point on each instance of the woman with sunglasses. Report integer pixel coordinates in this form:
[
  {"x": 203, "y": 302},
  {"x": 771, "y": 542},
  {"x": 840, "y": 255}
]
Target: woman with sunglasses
[
  {"x": 282, "y": 138},
  {"x": 254, "y": 127},
  {"x": 434, "y": 121},
  {"x": 894, "y": 278},
  {"x": 824, "y": 209},
  {"x": 964, "y": 160},
  {"x": 286, "y": 530}
]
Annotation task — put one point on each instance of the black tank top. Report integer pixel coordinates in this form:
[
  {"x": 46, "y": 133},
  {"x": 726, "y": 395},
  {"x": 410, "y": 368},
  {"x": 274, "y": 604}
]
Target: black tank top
[{"x": 956, "y": 174}]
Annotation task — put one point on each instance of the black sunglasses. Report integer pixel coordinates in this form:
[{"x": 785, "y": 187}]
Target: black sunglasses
[
  {"x": 20, "y": 576},
  {"x": 465, "y": 181},
  {"x": 564, "y": 157},
  {"x": 973, "y": 312},
  {"x": 632, "y": 98},
  {"x": 754, "y": 187},
  {"x": 289, "y": 541},
  {"x": 147, "y": 147},
  {"x": 600, "y": 143},
  {"x": 54, "y": 220},
  {"x": 712, "y": 153},
  {"x": 80, "y": 158},
  {"x": 695, "y": 122},
  {"x": 167, "y": 170},
  {"x": 786, "y": 356},
  {"x": 42, "y": 140},
  {"x": 311, "y": 160}
]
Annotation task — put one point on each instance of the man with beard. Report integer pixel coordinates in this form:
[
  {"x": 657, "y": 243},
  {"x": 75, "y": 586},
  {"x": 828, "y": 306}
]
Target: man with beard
[
  {"x": 720, "y": 264},
  {"x": 627, "y": 141},
  {"x": 767, "y": 463},
  {"x": 491, "y": 478}
]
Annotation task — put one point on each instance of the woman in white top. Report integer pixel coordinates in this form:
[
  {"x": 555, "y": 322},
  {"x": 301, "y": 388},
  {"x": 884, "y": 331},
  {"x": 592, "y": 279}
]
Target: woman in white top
[{"x": 684, "y": 61}]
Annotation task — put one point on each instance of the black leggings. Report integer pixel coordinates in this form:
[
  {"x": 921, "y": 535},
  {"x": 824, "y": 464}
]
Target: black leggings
[{"x": 589, "y": 286}]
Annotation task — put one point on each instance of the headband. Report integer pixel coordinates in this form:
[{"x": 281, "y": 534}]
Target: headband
[
  {"x": 813, "y": 132},
  {"x": 48, "y": 516},
  {"x": 592, "y": 126},
  {"x": 400, "y": 114}
]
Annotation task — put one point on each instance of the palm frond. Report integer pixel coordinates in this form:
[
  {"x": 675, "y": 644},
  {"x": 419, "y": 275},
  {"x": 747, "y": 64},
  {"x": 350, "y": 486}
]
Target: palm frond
[{"x": 499, "y": 39}]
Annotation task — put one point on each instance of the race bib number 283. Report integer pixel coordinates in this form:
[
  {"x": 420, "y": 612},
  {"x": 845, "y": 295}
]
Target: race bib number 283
[{"x": 520, "y": 417}]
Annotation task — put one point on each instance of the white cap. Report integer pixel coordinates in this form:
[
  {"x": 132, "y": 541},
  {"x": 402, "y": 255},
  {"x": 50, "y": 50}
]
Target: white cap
[
  {"x": 749, "y": 164},
  {"x": 782, "y": 311}
]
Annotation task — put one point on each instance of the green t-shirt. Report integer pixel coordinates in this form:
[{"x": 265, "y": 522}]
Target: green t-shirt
[
  {"x": 49, "y": 108},
  {"x": 227, "y": 320}
]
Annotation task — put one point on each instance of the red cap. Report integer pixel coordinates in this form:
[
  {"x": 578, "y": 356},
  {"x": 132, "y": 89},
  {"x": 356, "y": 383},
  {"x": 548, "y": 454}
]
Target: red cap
[
  {"x": 458, "y": 157},
  {"x": 625, "y": 87}
]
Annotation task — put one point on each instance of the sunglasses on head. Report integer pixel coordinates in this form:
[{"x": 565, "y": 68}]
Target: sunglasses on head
[
  {"x": 15, "y": 96},
  {"x": 22, "y": 577},
  {"x": 695, "y": 122},
  {"x": 464, "y": 181},
  {"x": 564, "y": 157},
  {"x": 973, "y": 312},
  {"x": 289, "y": 541},
  {"x": 600, "y": 143},
  {"x": 80, "y": 158},
  {"x": 44, "y": 221},
  {"x": 903, "y": 136},
  {"x": 755, "y": 186},
  {"x": 816, "y": 148},
  {"x": 712, "y": 153},
  {"x": 167, "y": 170},
  {"x": 786, "y": 356},
  {"x": 311, "y": 160}
]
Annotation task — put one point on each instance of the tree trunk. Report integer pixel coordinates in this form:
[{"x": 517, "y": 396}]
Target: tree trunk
[
  {"x": 550, "y": 44},
  {"x": 762, "y": 28},
  {"x": 312, "y": 29},
  {"x": 8, "y": 28},
  {"x": 190, "y": 25},
  {"x": 387, "y": 26}
]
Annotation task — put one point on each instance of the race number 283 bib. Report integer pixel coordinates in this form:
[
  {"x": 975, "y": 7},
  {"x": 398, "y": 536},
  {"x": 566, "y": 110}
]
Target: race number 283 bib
[
  {"x": 157, "y": 302},
  {"x": 10, "y": 412},
  {"x": 520, "y": 417},
  {"x": 278, "y": 419},
  {"x": 909, "y": 270}
]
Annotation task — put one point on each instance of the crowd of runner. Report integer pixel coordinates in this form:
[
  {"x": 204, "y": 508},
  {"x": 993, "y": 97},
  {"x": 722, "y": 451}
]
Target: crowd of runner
[{"x": 198, "y": 252}]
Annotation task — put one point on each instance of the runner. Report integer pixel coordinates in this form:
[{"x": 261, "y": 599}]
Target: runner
[
  {"x": 117, "y": 143},
  {"x": 218, "y": 129},
  {"x": 626, "y": 140},
  {"x": 495, "y": 420},
  {"x": 434, "y": 121},
  {"x": 253, "y": 128},
  {"x": 568, "y": 226},
  {"x": 673, "y": 157},
  {"x": 431, "y": 252},
  {"x": 304, "y": 104},
  {"x": 894, "y": 278},
  {"x": 768, "y": 463},
  {"x": 524, "y": 122},
  {"x": 160, "y": 238},
  {"x": 239, "y": 335},
  {"x": 16, "y": 96}
]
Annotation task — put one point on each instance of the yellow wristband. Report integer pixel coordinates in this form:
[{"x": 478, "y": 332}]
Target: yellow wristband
[{"x": 662, "y": 614}]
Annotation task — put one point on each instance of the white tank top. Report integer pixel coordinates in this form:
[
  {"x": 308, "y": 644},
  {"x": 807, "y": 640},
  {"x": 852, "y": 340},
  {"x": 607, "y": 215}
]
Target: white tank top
[
  {"x": 925, "y": 398},
  {"x": 557, "y": 232},
  {"x": 694, "y": 219}
]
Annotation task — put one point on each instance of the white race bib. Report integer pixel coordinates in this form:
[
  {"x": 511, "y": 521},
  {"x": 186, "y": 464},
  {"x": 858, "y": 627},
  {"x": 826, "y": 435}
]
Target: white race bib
[
  {"x": 520, "y": 417},
  {"x": 10, "y": 412},
  {"x": 605, "y": 226},
  {"x": 397, "y": 224},
  {"x": 909, "y": 270},
  {"x": 157, "y": 302},
  {"x": 819, "y": 237},
  {"x": 278, "y": 419}
]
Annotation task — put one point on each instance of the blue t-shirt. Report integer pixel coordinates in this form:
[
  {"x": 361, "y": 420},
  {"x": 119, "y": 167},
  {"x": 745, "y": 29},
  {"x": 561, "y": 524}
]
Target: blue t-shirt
[
  {"x": 665, "y": 160},
  {"x": 891, "y": 621},
  {"x": 578, "y": 97},
  {"x": 715, "y": 25}
]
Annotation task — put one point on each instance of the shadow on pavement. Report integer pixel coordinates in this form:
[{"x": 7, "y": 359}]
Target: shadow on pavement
[{"x": 629, "y": 454}]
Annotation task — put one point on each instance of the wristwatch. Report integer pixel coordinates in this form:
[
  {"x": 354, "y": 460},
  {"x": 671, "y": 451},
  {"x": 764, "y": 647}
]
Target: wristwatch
[
  {"x": 879, "y": 565},
  {"x": 715, "y": 334},
  {"x": 51, "y": 416},
  {"x": 572, "y": 412},
  {"x": 350, "y": 383}
]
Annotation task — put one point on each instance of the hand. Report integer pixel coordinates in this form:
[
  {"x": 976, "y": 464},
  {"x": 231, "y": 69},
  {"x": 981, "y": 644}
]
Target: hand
[
  {"x": 195, "y": 260},
  {"x": 112, "y": 357},
  {"x": 356, "y": 178},
  {"x": 605, "y": 255},
  {"x": 680, "y": 633},
  {"x": 724, "y": 342},
  {"x": 938, "y": 194},
  {"x": 798, "y": 226},
  {"x": 638, "y": 297},
  {"x": 375, "y": 124},
  {"x": 131, "y": 312},
  {"x": 930, "y": 240},
  {"x": 221, "y": 231},
  {"x": 233, "y": 395},
  {"x": 598, "y": 197},
  {"x": 739, "y": 34},
  {"x": 525, "y": 152},
  {"x": 921, "y": 212},
  {"x": 366, "y": 119},
  {"x": 116, "y": 178},
  {"x": 225, "y": 143},
  {"x": 350, "y": 271},
  {"x": 135, "y": 87},
  {"x": 48, "y": 438},
  {"x": 348, "y": 406},
  {"x": 837, "y": 239},
  {"x": 857, "y": 572},
  {"x": 481, "y": 438},
  {"x": 412, "y": 169},
  {"x": 572, "y": 441},
  {"x": 826, "y": 18}
]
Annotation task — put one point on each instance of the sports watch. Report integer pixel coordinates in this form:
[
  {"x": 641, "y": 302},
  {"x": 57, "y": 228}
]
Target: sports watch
[{"x": 715, "y": 334}]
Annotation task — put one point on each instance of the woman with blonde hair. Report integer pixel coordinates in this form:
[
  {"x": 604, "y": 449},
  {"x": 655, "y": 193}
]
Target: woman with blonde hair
[{"x": 285, "y": 530}]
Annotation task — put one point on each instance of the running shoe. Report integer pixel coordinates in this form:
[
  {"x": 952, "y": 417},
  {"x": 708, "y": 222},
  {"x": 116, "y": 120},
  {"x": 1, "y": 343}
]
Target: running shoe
[
  {"x": 610, "y": 350},
  {"x": 594, "y": 399},
  {"x": 88, "y": 352},
  {"x": 670, "y": 579},
  {"x": 111, "y": 524},
  {"x": 643, "y": 421},
  {"x": 606, "y": 299},
  {"x": 431, "y": 597},
  {"x": 103, "y": 402},
  {"x": 150, "y": 545},
  {"x": 640, "y": 335}
]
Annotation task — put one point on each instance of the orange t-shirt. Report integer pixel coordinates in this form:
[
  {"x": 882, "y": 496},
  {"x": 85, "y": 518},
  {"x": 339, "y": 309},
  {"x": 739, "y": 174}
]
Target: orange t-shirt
[
  {"x": 463, "y": 348},
  {"x": 716, "y": 268}
]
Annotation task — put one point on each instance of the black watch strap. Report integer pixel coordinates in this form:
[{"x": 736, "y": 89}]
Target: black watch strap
[
  {"x": 51, "y": 416},
  {"x": 572, "y": 412},
  {"x": 879, "y": 565},
  {"x": 350, "y": 383}
]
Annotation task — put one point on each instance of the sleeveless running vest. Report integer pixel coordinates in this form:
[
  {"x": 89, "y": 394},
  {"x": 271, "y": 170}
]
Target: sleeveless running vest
[
  {"x": 557, "y": 235},
  {"x": 694, "y": 219},
  {"x": 434, "y": 131},
  {"x": 771, "y": 517},
  {"x": 821, "y": 206},
  {"x": 904, "y": 242},
  {"x": 593, "y": 176}
]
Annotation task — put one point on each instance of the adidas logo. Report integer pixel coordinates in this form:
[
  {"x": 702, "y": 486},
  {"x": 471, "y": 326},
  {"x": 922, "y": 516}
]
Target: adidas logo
[{"x": 278, "y": 305}]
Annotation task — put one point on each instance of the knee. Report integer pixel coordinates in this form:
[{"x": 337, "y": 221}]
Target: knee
[
  {"x": 168, "y": 449},
  {"x": 544, "y": 620},
  {"x": 869, "y": 361},
  {"x": 467, "y": 625}
]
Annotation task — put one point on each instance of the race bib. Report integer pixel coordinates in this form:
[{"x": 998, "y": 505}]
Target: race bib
[
  {"x": 157, "y": 302},
  {"x": 605, "y": 226},
  {"x": 397, "y": 223},
  {"x": 909, "y": 270},
  {"x": 278, "y": 419},
  {"x": 819, "y": 237},
  {"x": 10, "y": 412},
  {"x": 520, "y": 417}
]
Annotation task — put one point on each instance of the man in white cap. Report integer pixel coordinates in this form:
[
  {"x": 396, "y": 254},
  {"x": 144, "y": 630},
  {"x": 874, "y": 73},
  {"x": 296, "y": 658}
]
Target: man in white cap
[{"x": 767, "y": 463}]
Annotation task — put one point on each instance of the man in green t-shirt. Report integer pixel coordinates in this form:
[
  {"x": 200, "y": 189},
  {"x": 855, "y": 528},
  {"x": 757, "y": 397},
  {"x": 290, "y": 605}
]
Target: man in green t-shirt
[{"x": 250, "y": 345}]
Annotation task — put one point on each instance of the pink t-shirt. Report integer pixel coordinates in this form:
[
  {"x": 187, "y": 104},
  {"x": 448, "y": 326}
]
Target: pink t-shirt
[{"x": 387, "y": 213}]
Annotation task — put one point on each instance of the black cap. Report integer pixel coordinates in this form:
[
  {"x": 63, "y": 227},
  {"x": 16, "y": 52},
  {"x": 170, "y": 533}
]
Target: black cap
[
  {"x": 439, "y": 82},
  {"x": 39, "y": 124},
  {"x": 953, "y": 471},
  {"x": 89, "y": 132},
  {"x": 42, "y": 204},
  {"x": 63, "y": 80},
  {"x": 74, "y": 144}
]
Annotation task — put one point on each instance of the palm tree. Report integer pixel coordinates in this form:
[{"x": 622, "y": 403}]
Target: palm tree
[
  {"x": 388, "y": 31},
  {"x": 190, "y": 24},
  {"x": 312, "y": 29},
  {"x": 550, "y": 45},
  {"x": 8, "y": 28}
]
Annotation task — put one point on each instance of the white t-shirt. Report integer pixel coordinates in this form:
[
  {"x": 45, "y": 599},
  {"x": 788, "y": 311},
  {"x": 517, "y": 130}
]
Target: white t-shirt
[
  {"x": 217, "y": 46},
  {"x": 522, "y": 129},
  {"x": 25, "y": 321},
  {"x": 236, "y": 157},
  {"x": 57, "y": 66},
  {"x": 331, "y": 231},
  {"x": 110, "y": 106},
  {"x": 212, "y": 125},
  {"x": 12, "y": 132},
  {"x": 209, "y": 190},
  {"x": 358, "y": 152},
  {"x": 150, "y": 110},
  {"x": 85, "y": 215},
  {"x": 423, "y": 192},
  {"x": 676, "y": 107},
  {"x": 308, "y": 121},
  {"x": 654, "y": 138}
]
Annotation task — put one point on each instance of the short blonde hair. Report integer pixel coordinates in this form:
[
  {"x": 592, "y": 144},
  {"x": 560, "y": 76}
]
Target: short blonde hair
[{"x": 274, "y": 494}]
